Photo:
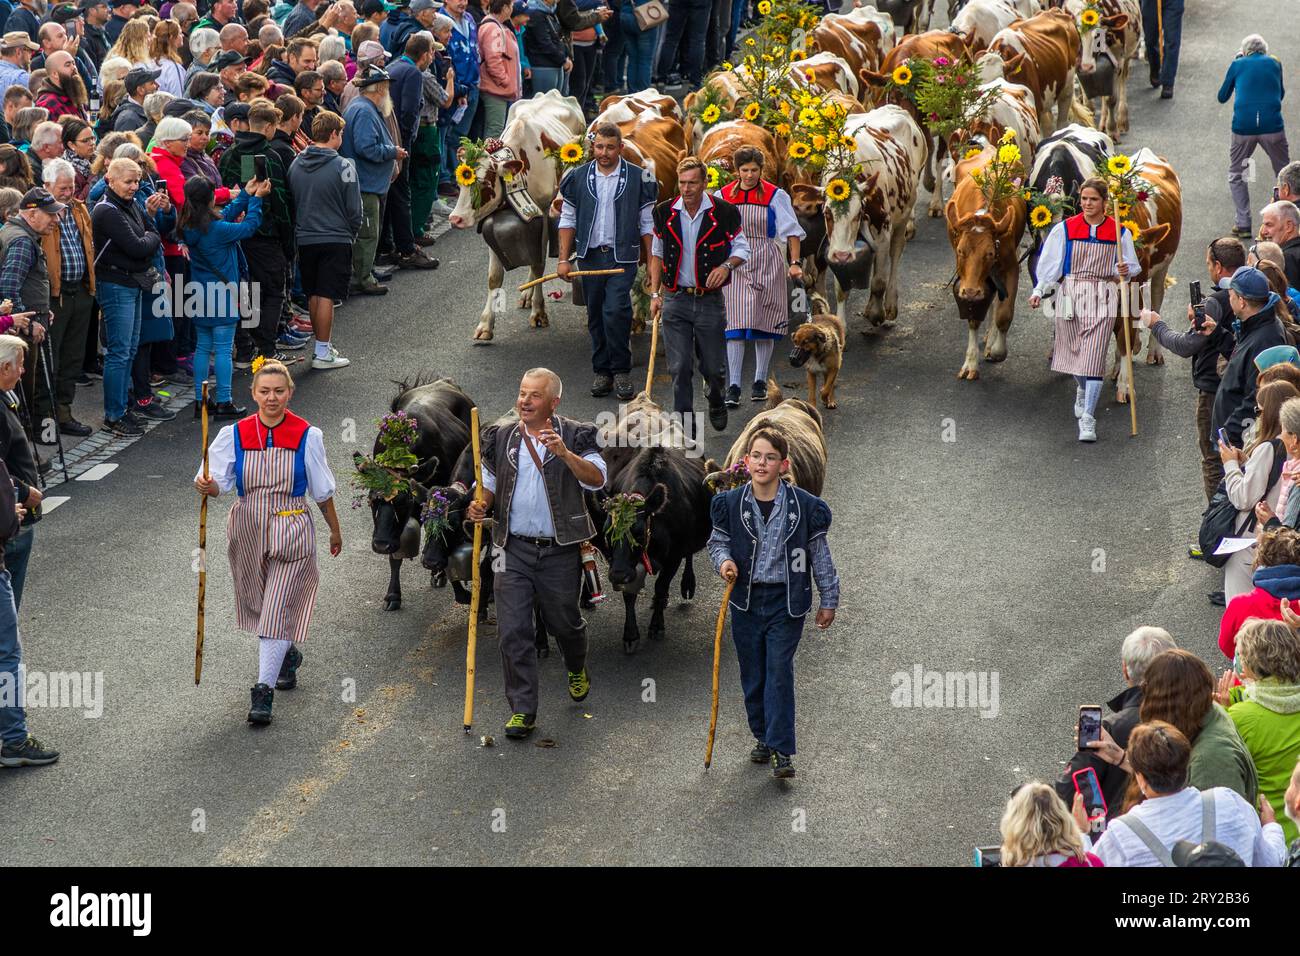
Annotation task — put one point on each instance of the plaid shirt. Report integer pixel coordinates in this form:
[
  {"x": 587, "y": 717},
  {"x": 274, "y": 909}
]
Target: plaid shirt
[
  {"x": 72, "y": 253},
  {"x": 19, "y": 262}
]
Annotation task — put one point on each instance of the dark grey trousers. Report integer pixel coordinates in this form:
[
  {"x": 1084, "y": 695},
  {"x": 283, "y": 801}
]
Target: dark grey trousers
[
  {"x": 695, "y": 325},
  {"x": 554, "y": 577}
]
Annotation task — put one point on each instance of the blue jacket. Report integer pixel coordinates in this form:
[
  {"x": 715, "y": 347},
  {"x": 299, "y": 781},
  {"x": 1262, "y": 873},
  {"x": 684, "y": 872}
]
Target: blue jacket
[
  {"x": 394, "y": 32},
  {"x": 464, "y": 55},
  {"x": 1257, "y": 81},
  {"x": 407, "y": 91},
  {"x": 216, "y": 260},
  {"x": 807, "y": 517},
  {"x": 366, "y": 142},
  {"x": 634, "y": 192}
]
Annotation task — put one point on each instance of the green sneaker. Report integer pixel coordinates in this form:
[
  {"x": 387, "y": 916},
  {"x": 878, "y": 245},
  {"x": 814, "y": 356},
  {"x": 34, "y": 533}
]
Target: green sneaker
[
  {"x": 579, "y": 685},
  {"x": 520, "y": 726}
]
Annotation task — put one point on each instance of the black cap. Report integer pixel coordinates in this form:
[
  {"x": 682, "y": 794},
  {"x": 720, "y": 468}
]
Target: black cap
[
  {"x": 235, "y": 111},
  {"x": 226, "y": 58},
  {"x": 38, "y": 198},
  {"x": 179, "y": 107},
  {"x": 138, "y": 77},
  {"x": 65, "y": 12},
  {"x": 1187, "y": 853},
  {"x": 371, "y": 7},
  {"x": 373, "y": 75}
]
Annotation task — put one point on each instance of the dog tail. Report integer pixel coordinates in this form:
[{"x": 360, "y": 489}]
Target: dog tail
[
  {"x": 774, "y": 395},
  {"x": 819, "y": 305}
]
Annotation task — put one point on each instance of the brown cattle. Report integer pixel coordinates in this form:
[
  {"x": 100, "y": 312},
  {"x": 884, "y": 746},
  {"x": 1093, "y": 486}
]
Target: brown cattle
[
  {"x": 621, "y": 107},
  {"x": 1041, "y": 53},
  {"x": 723, "y": 139},
  {"x": 987, "y": 264},
  {"x": 862, "y": 37},
  {"x": 652, "y": 138}
]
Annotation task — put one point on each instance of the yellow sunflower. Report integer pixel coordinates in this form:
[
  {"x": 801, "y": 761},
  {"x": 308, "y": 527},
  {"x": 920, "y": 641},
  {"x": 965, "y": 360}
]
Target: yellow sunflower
[
  {"x": 1090, "y": 18},
  {"x": 1132, "y": 227},
  {"x": 713, "y": 178},
  {"x": 799, "y": 150},
  {"x": 749, "y": 41},
  {"x": 1008, "y": 137},
  {"x": 817, "y": 159},
  {"x": 848, "y": 142},
  {"x": 809, "y": 117},
  {"x": 810, "y": 76},
  {"x": 819, "y": 142},
  {"x": 570, "y": 153},
  {"x": 830, "y": 111},
  {"x": 972, "y": 152},
  {"x": 727, "y": 67},
  {"x": 1009, "y": 153},
  {"x": 711, "y": 113},
  {"x": 1123, "y": 210},
  {"x": 1040, "y": 216},
  {"x": 465, "y": 174},
  {"x": 751, "y": 112},
  {"x": 1119, "y": 165},
  {"x": 764, "y": 7},
  {"x": 795, "y": 54},
  {"x": 837, "y": 190},
  {"x": 902, "y": 76},
  {"x": 785, "y": 108},
  {"x": 782, "y": 129},
  {"x": 258, "y": 362}
]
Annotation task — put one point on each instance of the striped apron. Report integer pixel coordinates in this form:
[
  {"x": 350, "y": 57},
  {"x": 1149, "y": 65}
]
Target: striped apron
[
  {"x": 272, "y": 545},
  {"x": 1083, "y": 332},
  {"x": 757, "y": 304}
]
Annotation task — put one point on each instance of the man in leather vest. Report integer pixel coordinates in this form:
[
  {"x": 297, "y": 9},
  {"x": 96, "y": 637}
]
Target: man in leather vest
[{"x": 534, "y": 474}]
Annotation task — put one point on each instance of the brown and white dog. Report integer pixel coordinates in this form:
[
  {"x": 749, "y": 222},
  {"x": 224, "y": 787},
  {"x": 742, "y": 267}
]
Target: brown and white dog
[{"x": 819, "y": 348}]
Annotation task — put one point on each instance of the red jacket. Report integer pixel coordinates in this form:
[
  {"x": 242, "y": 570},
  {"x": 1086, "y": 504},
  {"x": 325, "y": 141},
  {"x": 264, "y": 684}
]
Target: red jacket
[
  {"x": 1257, "y": 603},
  {"x": 169, "y": 168},
  {"x": 57, "y": 102}
]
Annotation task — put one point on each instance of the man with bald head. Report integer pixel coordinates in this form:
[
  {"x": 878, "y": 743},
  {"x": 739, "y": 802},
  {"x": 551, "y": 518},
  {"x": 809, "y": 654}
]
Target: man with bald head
[
  {"x": 62, "y": 92},
  {"x": 61, "y": 34},
  {"x": 1280, "y": 223},
  {"x": 234, "y": 37}
]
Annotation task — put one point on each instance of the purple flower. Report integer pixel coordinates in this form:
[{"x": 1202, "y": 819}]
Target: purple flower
[{"x": 941, "y": 61}]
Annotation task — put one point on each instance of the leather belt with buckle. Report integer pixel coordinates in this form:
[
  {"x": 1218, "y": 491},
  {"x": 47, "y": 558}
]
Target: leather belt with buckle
[
  {"x": 695, "y": 290},
  {"x": 538, "y": 542}
]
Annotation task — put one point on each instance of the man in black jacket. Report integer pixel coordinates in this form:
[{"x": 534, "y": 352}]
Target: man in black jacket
[
  {"x": 16, "y": 452},
  {"x": 1256, "y": 328},
  {"x": 1204, "y": 346},
  {"x": 95, "y": 41},
  {"x": 1138, "y": 650},
  {"x": 698, "y": 243},
  {"x": 1280, "y": 223}
]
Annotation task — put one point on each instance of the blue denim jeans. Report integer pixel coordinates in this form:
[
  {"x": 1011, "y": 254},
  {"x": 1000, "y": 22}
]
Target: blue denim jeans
[
  {"x": 1172, "y": 18},
  {"x": 217, "y": 342},
  {"x": 766, "y": 637},
  {"x": 13, "y": 721},
  {"x": 18, "y": 551},
  {"x": 120, "y": 309},
  {"x": 454, "y": 132},
  {"x": 609, "y": 314},
  {"x": 548, "y": 78},
  {"x": 640, "y": 47}
]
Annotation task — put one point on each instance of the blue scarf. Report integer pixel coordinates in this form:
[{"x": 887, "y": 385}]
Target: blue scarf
[{"x": 1279, "y": 580}]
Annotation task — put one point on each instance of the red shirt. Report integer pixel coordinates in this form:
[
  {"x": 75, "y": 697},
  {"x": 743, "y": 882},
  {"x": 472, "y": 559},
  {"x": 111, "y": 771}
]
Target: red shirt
[{"x": 1257, "y": 603}]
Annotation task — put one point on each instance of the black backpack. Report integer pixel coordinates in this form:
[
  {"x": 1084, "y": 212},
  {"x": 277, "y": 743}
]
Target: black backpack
[{"x": 1219, "y": 519}]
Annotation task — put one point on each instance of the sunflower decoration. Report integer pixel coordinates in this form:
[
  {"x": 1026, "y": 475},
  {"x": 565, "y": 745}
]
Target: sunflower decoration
[
  {"x": 711, "y": 114},
  {"x": 751, "y": 112},
  {"x": 971, "y": 153},
  {"x": 782, "y": 130},
  {"x": 465, "y": 174},
  {"x": 571, "y": 153},
  {"x": 799, "y": 150},
  {"x": 713, "y": 178},
  {"x": 1008, "y": 136},
  {"x": 808, "y": 116},
  {"x": 947, "y": 93},
  {"x": 1009, "y": 154},
  {"x": 837, "y": 193},
  {"x": 1049, "y": 206},
  {"x": 750, "y": 41},
  {"x": 1040, "y": 217},
  {"x": 1002, "y": 179},
  {"x": 902, "y": 75},
  {"x": 717, "y": 175},
  {"x": 1119, "y": 164},
  {"x": 1125, "y": 183},
  {"x": 764, "y": 7},
  {"x": 1134, "y": 229},
  {"x": 258, "y": 362},
  {"x": 819, "y": 142},
  {"x": 1089, "y": 17}
]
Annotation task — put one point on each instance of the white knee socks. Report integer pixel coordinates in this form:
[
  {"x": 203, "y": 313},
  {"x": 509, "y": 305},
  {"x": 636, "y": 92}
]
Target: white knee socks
[
  {"x": 735, "y": 360},
  {"x": 1092, "y": 393},
  {"x": 270, "y": 657},
  {"x": 762, "y": 357}
]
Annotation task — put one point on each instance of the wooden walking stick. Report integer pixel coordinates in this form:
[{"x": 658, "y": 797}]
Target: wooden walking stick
[
  {"x": 575, "y": 274},
  {"x": 1123, "y": 314},
  {"x": 476, "y": 586},
  {"x": 203, "y": 548},
  {"x": 654, "y": 347},
  {"x": 717, "y": 659}
]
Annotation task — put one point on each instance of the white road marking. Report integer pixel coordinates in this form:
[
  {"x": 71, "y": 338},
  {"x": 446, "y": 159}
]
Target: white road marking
[
  {"x": 49, "y": 504},
  {"x": 98, "y": 472}
]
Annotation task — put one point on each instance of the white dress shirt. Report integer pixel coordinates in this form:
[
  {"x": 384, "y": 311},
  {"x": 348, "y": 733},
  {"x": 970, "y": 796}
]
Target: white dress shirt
[
  {"x": 1178, "y": 817},
  {"x": 530, "y": 512},
  {"x": 602, "y": 227},
  {"x": 221, "y": 463},
  {"x": 690, "y": 226},
  {"x": 1052, "y": 258}
]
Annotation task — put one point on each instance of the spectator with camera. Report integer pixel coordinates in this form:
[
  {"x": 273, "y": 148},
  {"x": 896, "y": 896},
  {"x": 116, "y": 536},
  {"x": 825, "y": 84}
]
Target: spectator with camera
[
  {"x": 1038, "y": 830},
  {"x": 1253, "y": 303}
]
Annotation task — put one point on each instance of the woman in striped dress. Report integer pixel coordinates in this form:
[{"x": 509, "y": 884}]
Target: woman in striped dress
[
  {"x": 758, "y": 306},
  {"x": 274, "y": 459},
  {"x": 1079, "y": 255}
]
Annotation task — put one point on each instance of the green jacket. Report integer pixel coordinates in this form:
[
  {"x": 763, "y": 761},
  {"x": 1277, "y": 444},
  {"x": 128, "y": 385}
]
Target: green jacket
[
  {"x": 1220, "y": 759},
  {"x": 277, "y": 209},
  {"x": 1268, "y": 720}
]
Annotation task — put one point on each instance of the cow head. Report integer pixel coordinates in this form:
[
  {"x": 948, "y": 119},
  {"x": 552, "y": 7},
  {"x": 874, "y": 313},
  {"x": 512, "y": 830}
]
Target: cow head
[
  {"x": 439, "y": 543},
  {"x": 630, "y": 556},
  {"x": 396, "y": 520},
  {"x": 1096, "y": 42},
  {"x": 477, "y": 200},
  {"x": 844, "y": 220},
  {"x": 977, "y": 239}
]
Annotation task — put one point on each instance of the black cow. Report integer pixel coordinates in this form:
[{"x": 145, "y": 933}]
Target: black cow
[
  {"x": 441, "y": 413},
  {"x": 669, "y": 527},
  {"x": 1071, "y": 153}
]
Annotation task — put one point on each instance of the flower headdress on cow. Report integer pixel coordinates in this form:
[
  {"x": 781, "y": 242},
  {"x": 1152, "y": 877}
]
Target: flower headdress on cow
[
  {"x": 1124, "y": 180},
  {"x": 723, "y": 480},
  {"x": 1002, "y": 178},
  {"x": 435, "y": 516},
  {"x": 390, "y": 472},
  {"x": 1089, "y": 17},
  {"x": 946, "y": 92},
  {"x": 570, "y": 155},
  {"x": 1048, "y": 206},
  {"x": 622, "y": 510},
  {"x": 469, "y": 155}
]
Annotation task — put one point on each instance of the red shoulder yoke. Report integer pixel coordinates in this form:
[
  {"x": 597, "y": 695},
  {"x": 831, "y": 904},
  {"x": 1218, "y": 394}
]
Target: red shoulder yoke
[{"x": 288, "y": 434}]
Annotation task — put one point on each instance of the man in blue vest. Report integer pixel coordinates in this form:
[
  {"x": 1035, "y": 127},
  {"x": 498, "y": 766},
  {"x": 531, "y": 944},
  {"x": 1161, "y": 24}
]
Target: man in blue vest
[
  {"x": 767, "y": 537},
  {"x": 608, "y": 209}
]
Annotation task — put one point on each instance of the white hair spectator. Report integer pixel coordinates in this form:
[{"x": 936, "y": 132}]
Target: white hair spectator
[
  {"x": 11, "y": 349},
  {"x": 55, "y": 169},
  {"x": 114, "y": 69},
  {"x": 332, "y": 47},
  {"x": 47, "y": 134},
  {"x": 172, "y": 128},
  {"x": 269, "y": 34},
  {"x": 202, "y": 40},
  {"x": 1253, "y": 44},
  {"x": 555, "y": 387},
  {"x": 128, "y": 151},
  {"x": 332, "y": 71},
  {"x": 442, "y": 23},
  {"x": 1286, "y": 210},
  {"x": 155, "y": 103},
  {"x": 1142, "y": 647}
]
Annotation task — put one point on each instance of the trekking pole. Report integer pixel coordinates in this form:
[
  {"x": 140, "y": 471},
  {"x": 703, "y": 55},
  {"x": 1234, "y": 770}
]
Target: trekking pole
[{"x": 46, "y": 356}]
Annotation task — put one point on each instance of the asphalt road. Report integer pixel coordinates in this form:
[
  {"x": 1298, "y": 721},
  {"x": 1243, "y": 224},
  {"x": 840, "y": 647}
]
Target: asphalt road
[{"x": 978, "y": 553}]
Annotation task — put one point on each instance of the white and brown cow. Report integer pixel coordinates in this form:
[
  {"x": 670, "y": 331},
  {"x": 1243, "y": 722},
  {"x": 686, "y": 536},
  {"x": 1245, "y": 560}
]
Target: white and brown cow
[
  {"x": 723, "y": 139},
  {"x": 862, "y": 37},
  {"x": 1115, "y": 39},
  {"x": 980, "y": 20},
  {"x": 878, "y": 212},
  {"x": 545, "y": 122},
  {"x": 985, "y": 242},
  {"x": 1042, "y": 53},
  {"x": 1160, "y": 222},
  {"x": 653, "y": 137},
  {"x": 728, "y": 87},
  {"x": 829, "y": 72},
  {"x": 620, "y": 108},
  {"x": 1011, "y": 109}
]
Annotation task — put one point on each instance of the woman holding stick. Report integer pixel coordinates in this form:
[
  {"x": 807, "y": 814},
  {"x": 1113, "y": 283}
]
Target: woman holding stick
[
  {"x": 1079, "y": 256},
  {"x": 274, "y": 459}
]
